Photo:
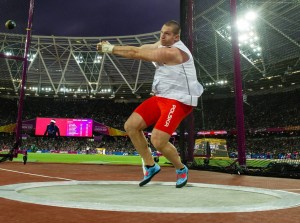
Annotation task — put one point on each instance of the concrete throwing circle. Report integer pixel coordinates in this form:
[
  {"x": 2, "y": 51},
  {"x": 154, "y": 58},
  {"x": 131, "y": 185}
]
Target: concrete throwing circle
[{"x": 161, "y": 197}]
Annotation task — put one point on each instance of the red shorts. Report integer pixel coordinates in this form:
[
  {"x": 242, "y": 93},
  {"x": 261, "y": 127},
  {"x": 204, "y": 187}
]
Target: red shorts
[{"x": 165, "y": 114}]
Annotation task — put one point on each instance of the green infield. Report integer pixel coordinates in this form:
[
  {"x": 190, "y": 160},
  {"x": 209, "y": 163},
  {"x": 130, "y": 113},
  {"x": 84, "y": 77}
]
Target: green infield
[
  {"x": 128, "y": 160},
  {"x": 86, "y": 159},
  {"x": 225, "y": 161}
]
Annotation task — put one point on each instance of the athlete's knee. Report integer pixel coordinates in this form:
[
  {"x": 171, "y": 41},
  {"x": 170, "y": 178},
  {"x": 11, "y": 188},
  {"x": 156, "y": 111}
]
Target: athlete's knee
[
  {"x": 158, "y": 142},
  {"x": 134, "y": 123},
  {"x": 129, "y": 127}
]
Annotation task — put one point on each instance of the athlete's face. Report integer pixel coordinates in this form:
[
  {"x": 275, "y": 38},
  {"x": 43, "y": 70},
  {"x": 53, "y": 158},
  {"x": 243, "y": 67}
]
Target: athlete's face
[{"x": 167, "y": 36}]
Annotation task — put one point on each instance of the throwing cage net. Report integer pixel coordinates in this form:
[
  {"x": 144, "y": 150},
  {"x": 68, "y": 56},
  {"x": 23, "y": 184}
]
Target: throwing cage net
[
  {"x": 247, "y": 58},
  {"x": 15, "y": 58}
]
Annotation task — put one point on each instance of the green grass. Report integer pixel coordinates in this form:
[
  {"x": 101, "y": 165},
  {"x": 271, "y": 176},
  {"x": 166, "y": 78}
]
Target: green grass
[
  {"x": 223, "y": 162},
  {"x": 128, "y": 160},
  {"x": 83, "y": 158}
]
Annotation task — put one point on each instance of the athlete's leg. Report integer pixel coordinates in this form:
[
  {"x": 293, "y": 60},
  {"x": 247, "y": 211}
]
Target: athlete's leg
[
  {"x": 172, "y": 112},
  {"x": 160, "y": 141},
  {"x": 144, "y": 115},
  {"x": 134, "y": 127}
]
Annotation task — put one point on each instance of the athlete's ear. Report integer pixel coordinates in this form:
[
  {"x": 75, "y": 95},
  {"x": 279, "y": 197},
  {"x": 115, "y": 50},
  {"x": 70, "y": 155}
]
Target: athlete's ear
[{"x": 177, "y": 37}]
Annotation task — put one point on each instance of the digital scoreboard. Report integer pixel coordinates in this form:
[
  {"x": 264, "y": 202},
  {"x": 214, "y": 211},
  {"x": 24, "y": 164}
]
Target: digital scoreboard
[{"x": 72, "y": 127}]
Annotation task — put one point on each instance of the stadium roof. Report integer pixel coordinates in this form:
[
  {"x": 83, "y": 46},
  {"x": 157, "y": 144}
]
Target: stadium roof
[
  {"x": 269, "y": 39},
  {"x": 70, "y": 66}
]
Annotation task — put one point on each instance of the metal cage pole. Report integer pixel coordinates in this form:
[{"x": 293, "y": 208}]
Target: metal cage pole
[
  {"x": 239, "y": 110},
  {"x": 24, "y": 76},
  {"x": 190, "y": 120},
  {"x": 187, "y": 142}
]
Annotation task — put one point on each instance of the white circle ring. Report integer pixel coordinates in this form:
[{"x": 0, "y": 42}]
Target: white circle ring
[{"x": 159, "y": 197}]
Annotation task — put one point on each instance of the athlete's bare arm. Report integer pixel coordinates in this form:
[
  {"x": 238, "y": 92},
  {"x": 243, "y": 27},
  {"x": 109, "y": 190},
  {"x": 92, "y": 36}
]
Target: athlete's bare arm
[
  {"x": 150, "y": 52},
  {"x": 151, "y": 46}
]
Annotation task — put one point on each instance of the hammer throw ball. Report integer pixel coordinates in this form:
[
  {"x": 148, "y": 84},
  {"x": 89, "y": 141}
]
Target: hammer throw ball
[{"x": 10, "y": 24}]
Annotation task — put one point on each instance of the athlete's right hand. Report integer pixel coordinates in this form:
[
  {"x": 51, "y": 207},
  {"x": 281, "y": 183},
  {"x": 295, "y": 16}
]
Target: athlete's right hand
[{"x": 105, "y": 47}]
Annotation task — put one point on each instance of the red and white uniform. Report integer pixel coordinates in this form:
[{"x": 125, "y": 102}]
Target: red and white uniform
[
  {"x": 178, "y": 82},
  {"x": 176, "y": 90}
]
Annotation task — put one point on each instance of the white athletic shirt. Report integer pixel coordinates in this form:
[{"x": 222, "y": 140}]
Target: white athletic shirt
[{"x": 178, "y": 82}]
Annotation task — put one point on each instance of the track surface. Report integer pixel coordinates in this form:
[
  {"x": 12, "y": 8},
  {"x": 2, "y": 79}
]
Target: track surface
[{"x": 14, "y": 211}]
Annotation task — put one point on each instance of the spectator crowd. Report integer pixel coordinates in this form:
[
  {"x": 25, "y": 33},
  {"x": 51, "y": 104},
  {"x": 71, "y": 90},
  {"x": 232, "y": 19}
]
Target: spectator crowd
[{"x": 279, "y": 110}]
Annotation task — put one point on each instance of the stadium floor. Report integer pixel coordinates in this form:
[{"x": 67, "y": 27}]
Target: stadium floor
[{"x": 214, "y": 203}]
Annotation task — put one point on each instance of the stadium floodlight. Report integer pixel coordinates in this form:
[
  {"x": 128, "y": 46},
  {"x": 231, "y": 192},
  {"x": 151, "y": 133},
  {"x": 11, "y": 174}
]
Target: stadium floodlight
[
  {"x": 31, "y": 57},
  {"x": 33, "y": 88},
  {"x": 219, "y": 82},
  {"x": 47, "y": 89},
  {"x": 251, "y": 15},
  {"x": 105, "y": 90},
  {"x": 8, "y": 53},
  {"x": 79, "y": 59},
  {"x": 98, "y": 58},
  {"x": 247, "y": 35},
  {"x": 222, "y": 82}
]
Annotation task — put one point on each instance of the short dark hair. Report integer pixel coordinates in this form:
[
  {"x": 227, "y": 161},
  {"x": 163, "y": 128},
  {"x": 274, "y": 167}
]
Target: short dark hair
[{"x": 175, "y": 25}]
